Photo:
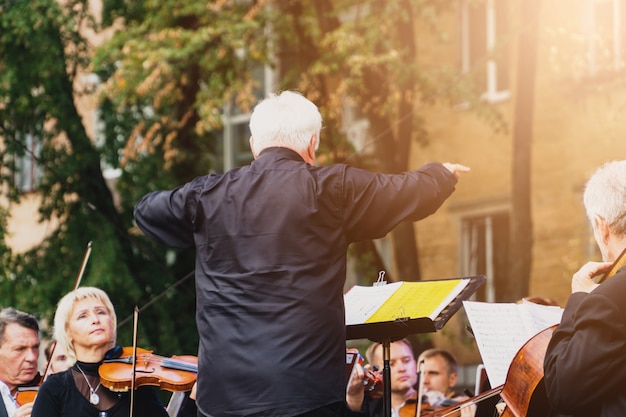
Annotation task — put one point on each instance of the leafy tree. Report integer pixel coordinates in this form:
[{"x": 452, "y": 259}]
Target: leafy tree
[
  {"x": 43, "y": 54},
  {"x": 367, "y": 51},
  {"x": 165, "y": 79}
]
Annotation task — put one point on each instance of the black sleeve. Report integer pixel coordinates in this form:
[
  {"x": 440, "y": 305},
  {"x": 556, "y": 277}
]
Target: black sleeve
[
  {"x": 148, "y": 403},
  {"x": 188, "y": 409},
  {"x": 48, "y": 401}
]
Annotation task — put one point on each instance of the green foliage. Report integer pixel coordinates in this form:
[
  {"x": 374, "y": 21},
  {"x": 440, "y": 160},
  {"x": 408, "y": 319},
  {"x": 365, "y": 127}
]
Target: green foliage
[{"x": 164, "y": 80}]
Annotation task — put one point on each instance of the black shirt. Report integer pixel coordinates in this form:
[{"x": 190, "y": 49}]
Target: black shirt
[{"x": 271, "y": 241}]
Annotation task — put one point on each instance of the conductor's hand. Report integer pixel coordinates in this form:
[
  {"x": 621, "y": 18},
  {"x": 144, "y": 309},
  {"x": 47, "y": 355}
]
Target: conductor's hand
[
  {"x": 456, "y": 169},
  {"x": 581, "y": 281},
  {"x": 355, "y": 392}
]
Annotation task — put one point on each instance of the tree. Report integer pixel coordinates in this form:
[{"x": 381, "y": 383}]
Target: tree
[
  {"x": 164, "y": 82},
  {"x": 42, "y": 55},
  {"x": 367, "y": 51},
  {"x": 521, "y": 220}
]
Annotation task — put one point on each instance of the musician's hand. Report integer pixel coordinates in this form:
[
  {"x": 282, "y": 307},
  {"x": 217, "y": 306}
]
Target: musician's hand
[
  {"x": 581, "y": 281},
  {"x": 24, "y": 411},
  {"x": 468, "y": 410},
  {"x": 456, "y": 169},
  {"x": 192, "y": 394},
  {"x": 355, "y": 391}
]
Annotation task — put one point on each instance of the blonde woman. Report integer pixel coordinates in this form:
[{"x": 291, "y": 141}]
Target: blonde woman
[{"x": 85, "y": 327}]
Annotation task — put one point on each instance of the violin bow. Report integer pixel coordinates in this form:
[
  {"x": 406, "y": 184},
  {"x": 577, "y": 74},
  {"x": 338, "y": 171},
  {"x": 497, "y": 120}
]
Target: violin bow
[
  {"x": 79, "y": 278},
  {"x": 134, "y": 362},
  {"x": 420, "y": 388}
]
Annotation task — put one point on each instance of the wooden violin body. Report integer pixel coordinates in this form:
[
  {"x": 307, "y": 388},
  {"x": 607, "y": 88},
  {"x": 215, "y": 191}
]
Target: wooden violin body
[
  {"x": 26, "y": 394},
  {"x": 175, "y": 374}
]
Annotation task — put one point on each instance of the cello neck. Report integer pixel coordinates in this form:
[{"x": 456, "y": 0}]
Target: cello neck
[{"x": 619, "y": 262}]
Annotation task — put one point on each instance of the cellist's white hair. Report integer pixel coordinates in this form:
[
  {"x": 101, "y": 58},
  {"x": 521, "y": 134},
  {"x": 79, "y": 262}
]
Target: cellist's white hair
[{"x": 605, "y": 196}]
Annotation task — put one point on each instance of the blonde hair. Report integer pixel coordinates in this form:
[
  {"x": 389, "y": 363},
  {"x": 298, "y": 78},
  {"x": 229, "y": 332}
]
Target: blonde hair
[{"x": 64, "y": 310}]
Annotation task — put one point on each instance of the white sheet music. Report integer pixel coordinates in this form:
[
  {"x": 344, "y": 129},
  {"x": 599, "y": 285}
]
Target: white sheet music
[
  {"x": 361, "y": 301},
  {"x": 501, "y": 329}
]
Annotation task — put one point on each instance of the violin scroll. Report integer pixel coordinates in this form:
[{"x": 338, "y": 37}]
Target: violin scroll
[{"x": 373, "y": 382}]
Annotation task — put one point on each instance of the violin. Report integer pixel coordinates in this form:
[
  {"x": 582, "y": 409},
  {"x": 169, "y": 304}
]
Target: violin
[
  {"x": 454, "y": 410},
  {"x": 372, "y": 379},
  {"x": 373, "y": 382},
  {"x": 26, "y": 394},
  {"x": 409, "y": 408},
  {"x": 176, "y": 374},
  {"x": 446, "y": 408}
]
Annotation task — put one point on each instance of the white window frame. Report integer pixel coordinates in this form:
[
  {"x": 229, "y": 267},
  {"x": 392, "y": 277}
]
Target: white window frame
[
  {"x": 27, "y": 170},
  {"x": 231, "y": 118},
  {"x": 493, "y": 93},
  {"x": 468, "y": 246}
]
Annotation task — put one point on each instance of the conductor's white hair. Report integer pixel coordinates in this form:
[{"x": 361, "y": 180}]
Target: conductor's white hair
[{"x": 286, "y": 120}]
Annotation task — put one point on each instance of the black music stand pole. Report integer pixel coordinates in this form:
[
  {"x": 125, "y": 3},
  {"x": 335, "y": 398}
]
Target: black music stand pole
[{"x": 386, "y": 378}]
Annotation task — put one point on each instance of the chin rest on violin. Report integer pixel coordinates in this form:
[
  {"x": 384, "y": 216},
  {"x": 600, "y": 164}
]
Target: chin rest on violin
[
  {"x": 26, "y": 394},
  {"x": 175, "y": 374}
]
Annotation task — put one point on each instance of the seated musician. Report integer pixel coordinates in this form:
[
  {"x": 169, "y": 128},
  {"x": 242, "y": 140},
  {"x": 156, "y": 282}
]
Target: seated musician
[
  {"x": 440, "y": 371},
  {"x": 56, "y": 357},
  {"x": 85, "y": 327},
  {"x": 403, "y": 379},
  {"x": 585, "y": 362}
]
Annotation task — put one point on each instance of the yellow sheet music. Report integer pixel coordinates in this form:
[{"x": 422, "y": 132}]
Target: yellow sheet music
[
  {"x": 416, "y": 299},
  {"x": 400, "y": 300}
]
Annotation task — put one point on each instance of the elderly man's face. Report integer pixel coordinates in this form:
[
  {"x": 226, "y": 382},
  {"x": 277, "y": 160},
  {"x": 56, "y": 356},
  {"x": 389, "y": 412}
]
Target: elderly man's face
[{"x": 19, "y": 355}]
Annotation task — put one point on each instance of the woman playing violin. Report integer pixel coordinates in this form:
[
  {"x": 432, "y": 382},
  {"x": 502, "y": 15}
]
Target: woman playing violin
[
  {"x": 403, "y": 379},
  {"x": 84, "y": 326}
]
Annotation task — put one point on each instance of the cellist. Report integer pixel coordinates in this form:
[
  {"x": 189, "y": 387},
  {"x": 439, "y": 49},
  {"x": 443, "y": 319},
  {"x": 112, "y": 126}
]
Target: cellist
[{"x": 585, "y": 362}]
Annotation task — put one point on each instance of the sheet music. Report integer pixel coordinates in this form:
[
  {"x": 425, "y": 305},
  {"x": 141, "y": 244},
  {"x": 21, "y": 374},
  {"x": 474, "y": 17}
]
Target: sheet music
[
  {"x": 400, "y": 300},
  {"x": 361, "y": 301},
  {"x": 501, "y": 329}
]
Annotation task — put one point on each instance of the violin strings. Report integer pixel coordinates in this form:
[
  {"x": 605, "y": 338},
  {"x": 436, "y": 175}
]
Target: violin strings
[{"x": 164, "y": 359}]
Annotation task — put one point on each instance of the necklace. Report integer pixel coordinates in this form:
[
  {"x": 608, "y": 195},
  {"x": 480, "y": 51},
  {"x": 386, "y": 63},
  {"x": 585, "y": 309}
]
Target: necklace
[{"x": 93, "y": 397}]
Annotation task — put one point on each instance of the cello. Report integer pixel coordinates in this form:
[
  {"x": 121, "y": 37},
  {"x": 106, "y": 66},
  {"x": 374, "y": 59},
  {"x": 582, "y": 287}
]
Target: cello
[{"x": 523, "y": 391}]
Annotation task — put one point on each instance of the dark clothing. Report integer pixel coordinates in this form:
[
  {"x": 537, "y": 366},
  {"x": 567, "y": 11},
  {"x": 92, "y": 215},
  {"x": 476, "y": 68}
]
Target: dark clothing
[
  {"x": 58, "y": 396},
  {"x": 585, "y": 363},
  {"x": 271, "y": 241}
]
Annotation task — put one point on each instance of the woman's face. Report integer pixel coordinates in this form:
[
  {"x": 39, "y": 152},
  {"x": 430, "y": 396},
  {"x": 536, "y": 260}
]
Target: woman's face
[{"x": 90, "y": 326}]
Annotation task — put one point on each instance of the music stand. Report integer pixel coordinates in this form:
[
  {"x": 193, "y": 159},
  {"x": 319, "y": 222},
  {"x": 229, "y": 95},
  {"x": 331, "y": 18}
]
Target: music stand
[{"x": 385, "y": 332}]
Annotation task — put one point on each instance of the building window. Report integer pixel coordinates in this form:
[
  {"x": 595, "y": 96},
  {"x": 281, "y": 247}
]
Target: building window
[
  {"x": 604, "y": 36},
  {"x": 485, "y": 251},
  {"x": 485, "y": 46},
  {"x": 236, "y": 133},
  {"x": 27, "y": 171}
]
